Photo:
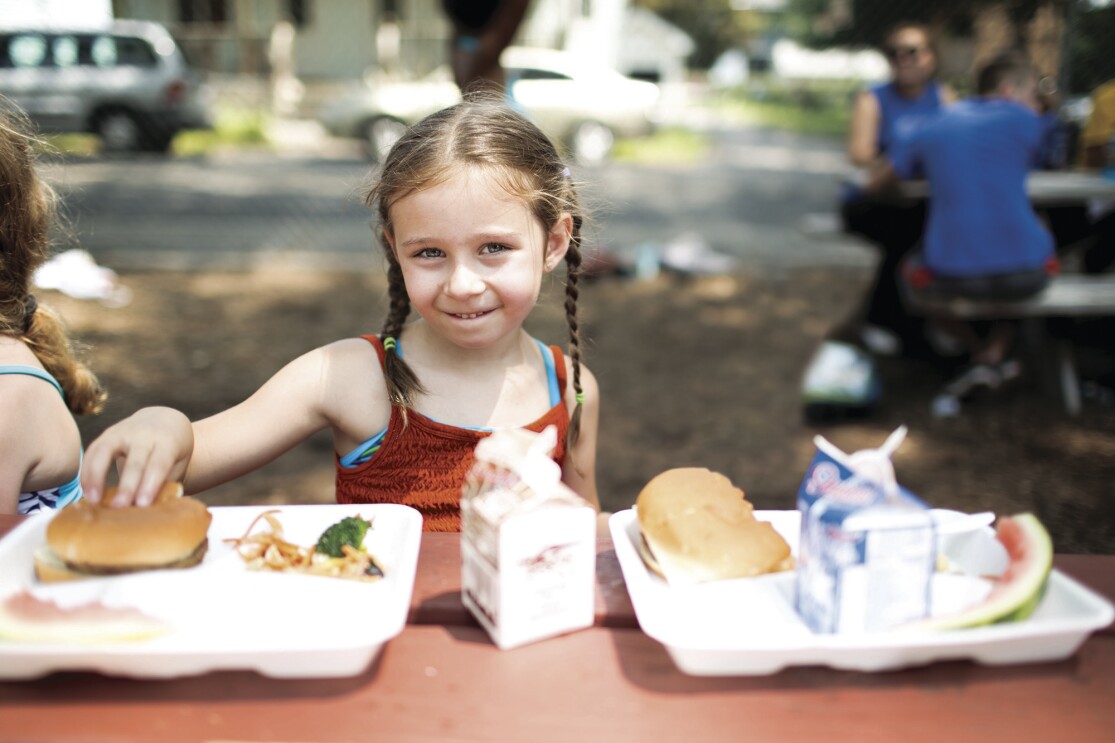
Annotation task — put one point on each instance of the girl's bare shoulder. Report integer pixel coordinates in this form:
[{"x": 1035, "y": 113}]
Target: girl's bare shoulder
[
  {"x": 354, "y": 393},
  {"x": 350, "y": 357}
]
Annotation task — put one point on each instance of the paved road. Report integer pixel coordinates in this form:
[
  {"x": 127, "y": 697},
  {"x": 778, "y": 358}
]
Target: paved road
[{"x": 302, "y": 206}]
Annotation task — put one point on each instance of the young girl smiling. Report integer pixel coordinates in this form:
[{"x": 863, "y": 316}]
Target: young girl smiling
[{"x": 475, "y": 206}]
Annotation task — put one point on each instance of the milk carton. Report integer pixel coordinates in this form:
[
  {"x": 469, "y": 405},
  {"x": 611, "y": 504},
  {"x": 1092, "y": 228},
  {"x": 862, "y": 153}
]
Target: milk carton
[
  {"x": 528, "y": 542},
  {"x": 867, "y": 550}
]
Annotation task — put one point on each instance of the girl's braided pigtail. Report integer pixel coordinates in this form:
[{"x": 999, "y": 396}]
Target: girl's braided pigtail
[
  {"x": 402, "y": 382},
  {"x": 573, "y": 271}
]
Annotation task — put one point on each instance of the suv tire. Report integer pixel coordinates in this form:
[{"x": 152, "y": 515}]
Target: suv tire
[
  {"x": 591, "y": 142},
  {"x": 119, "y": 130}
]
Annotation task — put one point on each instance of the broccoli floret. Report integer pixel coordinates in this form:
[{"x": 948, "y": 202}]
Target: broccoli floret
[{"x": 349, "y": 530}]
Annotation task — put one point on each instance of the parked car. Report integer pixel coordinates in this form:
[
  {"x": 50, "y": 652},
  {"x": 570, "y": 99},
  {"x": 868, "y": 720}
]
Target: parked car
[
  {"x": 129, "y": 83},
  {"x": 582, "y": 107}
]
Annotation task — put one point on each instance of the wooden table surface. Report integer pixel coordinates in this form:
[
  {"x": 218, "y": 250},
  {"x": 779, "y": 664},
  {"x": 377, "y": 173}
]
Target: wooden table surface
[{"x": 443, "y": 679}]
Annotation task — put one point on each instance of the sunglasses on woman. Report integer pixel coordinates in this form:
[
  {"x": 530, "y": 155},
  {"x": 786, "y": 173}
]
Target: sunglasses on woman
[{"x": 903, "y": 52}]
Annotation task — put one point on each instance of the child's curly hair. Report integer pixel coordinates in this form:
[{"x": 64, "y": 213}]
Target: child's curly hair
[
  {"x": 477, "y": 132},
  {"x": 27, "y": 206}
]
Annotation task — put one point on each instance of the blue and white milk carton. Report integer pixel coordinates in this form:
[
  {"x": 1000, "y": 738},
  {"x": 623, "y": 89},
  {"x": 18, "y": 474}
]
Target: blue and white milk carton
[{"x": 867, "y": 551}]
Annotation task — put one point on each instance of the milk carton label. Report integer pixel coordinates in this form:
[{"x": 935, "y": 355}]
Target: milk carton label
[
  {"x": 835, "y": 480},
  {"x": 867, "y": 550},
  {"x": 537, "y": 578}
]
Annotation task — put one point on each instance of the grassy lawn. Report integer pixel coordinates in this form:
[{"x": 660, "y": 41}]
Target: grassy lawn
[
  {"x": 232, "y": 126},
  {"x": 670, "y": 145},
  {"x": 821, "y": 108},
  {"x": 817, "y": 107},
  {"x": 828, "y": 121},
  {"x": 238, "y": 127}
]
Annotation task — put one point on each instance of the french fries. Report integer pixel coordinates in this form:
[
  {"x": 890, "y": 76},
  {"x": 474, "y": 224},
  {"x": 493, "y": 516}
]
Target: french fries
[{"x": 266, "y": 549}]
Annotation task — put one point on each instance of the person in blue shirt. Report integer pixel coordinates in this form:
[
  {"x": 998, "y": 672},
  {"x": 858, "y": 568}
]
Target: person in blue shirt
[{"x": 983, "y": 240}]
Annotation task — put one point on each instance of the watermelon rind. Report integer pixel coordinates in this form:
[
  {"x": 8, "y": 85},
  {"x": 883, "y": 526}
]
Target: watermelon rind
[{"x": 1017, "y": 595}]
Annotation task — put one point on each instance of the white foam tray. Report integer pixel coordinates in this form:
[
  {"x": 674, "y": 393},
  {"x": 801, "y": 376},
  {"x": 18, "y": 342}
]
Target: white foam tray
[
  {"x": 224, "y": 616},
  {"x": 750, "y": 627}
]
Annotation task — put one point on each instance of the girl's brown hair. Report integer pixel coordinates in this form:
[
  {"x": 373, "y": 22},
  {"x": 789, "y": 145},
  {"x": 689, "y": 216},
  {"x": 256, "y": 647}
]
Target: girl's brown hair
[
  {"x": 485, "y": 133},
  {"x": 27, "y": 206}
]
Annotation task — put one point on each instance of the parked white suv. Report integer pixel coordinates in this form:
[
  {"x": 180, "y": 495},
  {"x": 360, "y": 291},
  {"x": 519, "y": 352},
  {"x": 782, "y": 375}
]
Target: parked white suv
[{"x": 129, "y": 83}]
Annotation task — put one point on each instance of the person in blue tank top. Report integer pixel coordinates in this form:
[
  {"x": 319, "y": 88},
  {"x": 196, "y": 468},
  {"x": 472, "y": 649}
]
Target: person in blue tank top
[
  {"x": 42, "y": 384},
  {"x": 841, "y": 380},
  {"x": 881, "y": 115},
  {"x": 983, "y": 240}
]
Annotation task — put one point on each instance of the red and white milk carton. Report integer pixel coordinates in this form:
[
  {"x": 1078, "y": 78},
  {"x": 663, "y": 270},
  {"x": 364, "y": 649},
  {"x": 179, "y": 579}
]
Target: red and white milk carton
[{"x": 528, "y": 542}]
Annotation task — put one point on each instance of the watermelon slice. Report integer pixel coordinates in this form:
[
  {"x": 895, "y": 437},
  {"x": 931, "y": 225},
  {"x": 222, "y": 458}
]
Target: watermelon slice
[{"x": 1019, "y": 591}]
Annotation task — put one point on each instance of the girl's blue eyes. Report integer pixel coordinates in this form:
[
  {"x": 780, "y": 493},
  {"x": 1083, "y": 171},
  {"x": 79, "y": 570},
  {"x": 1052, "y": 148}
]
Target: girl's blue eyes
[{"x": 487, "y": 249}]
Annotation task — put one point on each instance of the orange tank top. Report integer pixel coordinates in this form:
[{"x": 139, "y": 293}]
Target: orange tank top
[{"x": 423, "y": 463}]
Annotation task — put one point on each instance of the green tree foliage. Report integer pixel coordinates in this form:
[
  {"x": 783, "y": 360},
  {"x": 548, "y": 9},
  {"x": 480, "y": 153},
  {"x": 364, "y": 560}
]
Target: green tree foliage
[
  {"x": 871, "y": 19},
  {"x": 1091, "y": 36}
]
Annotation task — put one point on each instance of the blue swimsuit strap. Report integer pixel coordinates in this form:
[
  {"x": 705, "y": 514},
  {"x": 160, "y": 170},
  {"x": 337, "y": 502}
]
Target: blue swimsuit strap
[{"x": 32, "y": 371}]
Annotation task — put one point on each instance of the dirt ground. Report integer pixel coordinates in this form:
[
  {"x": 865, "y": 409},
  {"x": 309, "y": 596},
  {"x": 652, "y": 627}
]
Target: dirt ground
[{"x": 694, "y": 372}]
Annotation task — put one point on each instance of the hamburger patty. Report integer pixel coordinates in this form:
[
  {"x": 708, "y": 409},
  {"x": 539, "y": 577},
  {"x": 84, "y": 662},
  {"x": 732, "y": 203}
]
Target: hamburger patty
[{"x": 189, "y": 561}]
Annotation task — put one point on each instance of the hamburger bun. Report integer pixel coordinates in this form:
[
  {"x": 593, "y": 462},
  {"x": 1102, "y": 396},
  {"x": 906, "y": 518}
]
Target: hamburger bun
[
  {"x": 696, "y": 526},
  {"x": 87, "y": 539}
]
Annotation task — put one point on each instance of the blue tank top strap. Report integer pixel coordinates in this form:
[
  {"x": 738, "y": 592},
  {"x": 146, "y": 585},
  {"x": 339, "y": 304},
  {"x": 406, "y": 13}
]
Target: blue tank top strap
[
  {"x": 32, "y": 371},
  {"x": 551, "y": 372}
]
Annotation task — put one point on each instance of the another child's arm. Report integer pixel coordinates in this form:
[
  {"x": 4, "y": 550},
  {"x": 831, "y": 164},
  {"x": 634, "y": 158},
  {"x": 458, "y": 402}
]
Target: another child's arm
[
  {"x": 39, "y": 441},
  {"x": 579, "y": 472},
  {"x": 13, "y": 465}
]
